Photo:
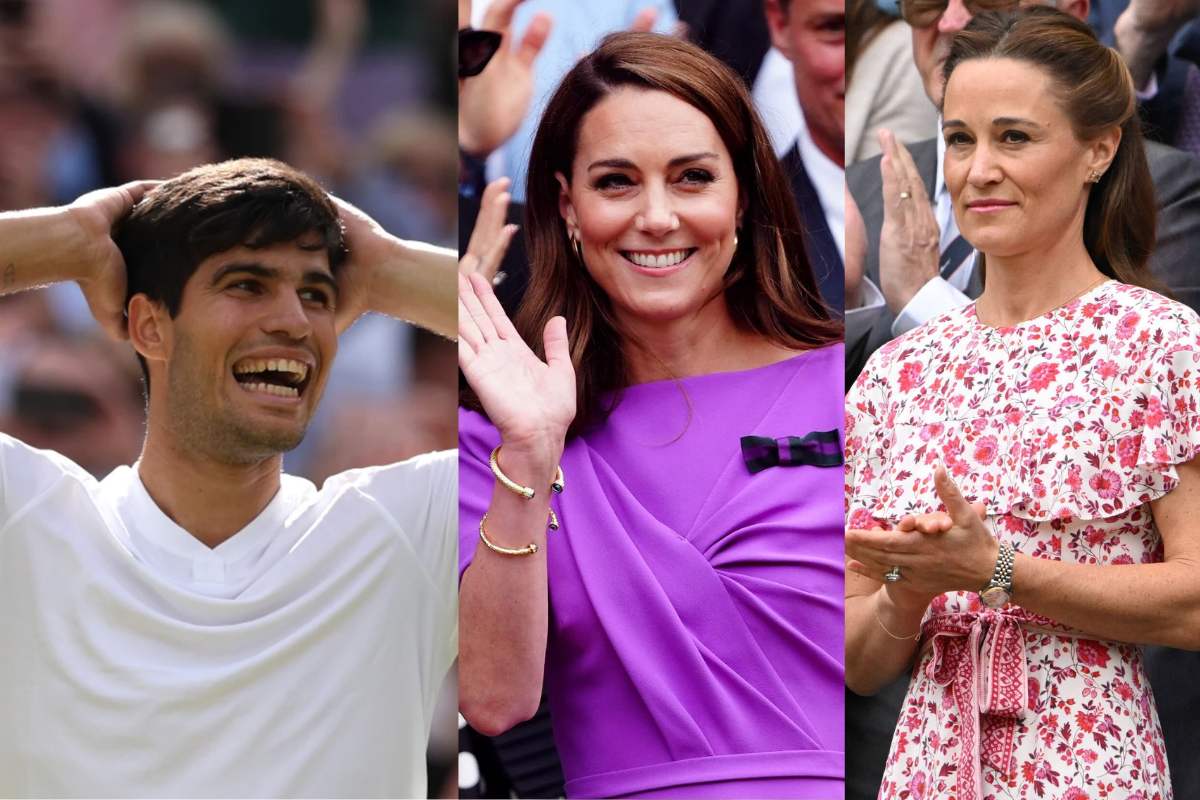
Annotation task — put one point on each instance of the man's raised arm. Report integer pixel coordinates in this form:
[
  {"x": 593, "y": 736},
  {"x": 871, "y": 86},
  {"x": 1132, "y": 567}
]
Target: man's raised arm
[{"x": 72, "y": 243}]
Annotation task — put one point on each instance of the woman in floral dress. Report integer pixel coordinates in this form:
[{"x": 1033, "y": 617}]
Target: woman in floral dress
[{"x": 1021, "y": 489}]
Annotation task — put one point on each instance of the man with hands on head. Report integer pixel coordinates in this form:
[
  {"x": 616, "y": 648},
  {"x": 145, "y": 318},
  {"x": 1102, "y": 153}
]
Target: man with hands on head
[
  {"x": 199, "y": 623},
  {"x": 916, "y": 265}
]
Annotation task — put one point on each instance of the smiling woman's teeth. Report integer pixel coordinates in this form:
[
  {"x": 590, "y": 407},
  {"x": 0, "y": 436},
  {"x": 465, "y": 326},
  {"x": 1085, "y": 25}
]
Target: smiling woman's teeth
[{"x": 654, "y": 261}]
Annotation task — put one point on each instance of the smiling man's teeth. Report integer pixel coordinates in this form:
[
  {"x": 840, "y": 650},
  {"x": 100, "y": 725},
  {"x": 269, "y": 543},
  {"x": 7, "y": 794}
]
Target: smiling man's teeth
[
  {"x": 657, "y": 261},
  {"x": 270, "y": 388},
  {"x": 296, "y": 368}
]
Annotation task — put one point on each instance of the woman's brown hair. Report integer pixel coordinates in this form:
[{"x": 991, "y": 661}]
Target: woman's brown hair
[
  {"x": 1095, "y": 90},
  {"x": 769, "y": 287}
]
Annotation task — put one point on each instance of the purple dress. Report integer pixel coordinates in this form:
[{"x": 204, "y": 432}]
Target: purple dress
[{"x": 696, "y": 614}]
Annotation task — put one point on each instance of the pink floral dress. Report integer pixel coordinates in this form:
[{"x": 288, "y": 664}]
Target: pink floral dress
[{"x": 1066, "y": 426}]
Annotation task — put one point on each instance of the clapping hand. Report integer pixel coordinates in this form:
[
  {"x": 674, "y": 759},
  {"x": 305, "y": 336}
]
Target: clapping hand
[
  {"x": 943, "y": 551},
  {"x": 530, "y": 401},
  {"x": 909, "y": 241}
]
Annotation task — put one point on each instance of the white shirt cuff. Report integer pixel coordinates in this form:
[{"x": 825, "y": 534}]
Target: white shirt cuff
[
  {"x": 937, "y": 296},
  {"x": 1148, "y": 91},
  {"x": 872, "y": 298},
  {"x": 860, "y": 320}
]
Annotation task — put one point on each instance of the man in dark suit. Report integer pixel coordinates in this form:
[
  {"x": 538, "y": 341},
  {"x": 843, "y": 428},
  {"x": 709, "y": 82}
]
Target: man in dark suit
[
  {"x": 812, "y": 36},
  {"x": 926, "y": 269}
]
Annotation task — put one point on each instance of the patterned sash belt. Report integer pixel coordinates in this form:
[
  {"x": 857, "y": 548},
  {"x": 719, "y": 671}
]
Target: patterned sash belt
[{"x": 980, "y": 658}]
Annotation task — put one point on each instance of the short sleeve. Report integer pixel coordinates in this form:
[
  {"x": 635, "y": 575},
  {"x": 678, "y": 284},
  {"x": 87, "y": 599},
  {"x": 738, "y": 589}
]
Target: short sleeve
[
  {"x": 1165, "y": 419},
  {"x": 866, "y": 422},
  {"x": 420, "y": 495},
  {"x": 26, "y": 473}
]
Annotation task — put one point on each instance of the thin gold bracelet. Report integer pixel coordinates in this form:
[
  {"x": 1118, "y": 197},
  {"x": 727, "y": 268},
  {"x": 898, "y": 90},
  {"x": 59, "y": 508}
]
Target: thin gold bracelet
[
  {"x": 528, "y": 550},
  {"x": 525, "y": 491},
  {"x": 916, "y": 635}
]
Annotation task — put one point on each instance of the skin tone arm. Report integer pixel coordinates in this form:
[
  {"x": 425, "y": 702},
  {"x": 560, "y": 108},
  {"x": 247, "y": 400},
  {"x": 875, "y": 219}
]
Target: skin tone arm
[
  {"x": 954, "y": 551},
  {"x": 72, "y": 243},
  {"x": 503, "y": 611}
]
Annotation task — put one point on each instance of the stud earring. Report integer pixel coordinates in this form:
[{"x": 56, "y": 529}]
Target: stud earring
[{"x": 1094, "y": 176}]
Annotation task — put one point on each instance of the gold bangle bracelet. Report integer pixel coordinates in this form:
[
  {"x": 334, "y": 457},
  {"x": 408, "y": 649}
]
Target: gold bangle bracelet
[
  {"x": 916, "y": 635},
  {"x": 528, "y": 550},
  {"x": 525, "y": 491}
]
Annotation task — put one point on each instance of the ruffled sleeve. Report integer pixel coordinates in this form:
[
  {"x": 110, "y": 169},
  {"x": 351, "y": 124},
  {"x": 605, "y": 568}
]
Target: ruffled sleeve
[
  {"x": 866, "y": 444},
  {"x": 1167, "y": 414},
  {"x": 1082, "y": 416}
]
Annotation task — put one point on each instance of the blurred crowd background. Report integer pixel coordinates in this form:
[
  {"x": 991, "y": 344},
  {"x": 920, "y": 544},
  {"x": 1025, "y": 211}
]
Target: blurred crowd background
[{"x": 358, "y": 93}]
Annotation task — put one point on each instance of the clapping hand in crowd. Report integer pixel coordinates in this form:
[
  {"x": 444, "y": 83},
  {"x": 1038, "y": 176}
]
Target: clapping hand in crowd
[{"x": 909, "y": 239}]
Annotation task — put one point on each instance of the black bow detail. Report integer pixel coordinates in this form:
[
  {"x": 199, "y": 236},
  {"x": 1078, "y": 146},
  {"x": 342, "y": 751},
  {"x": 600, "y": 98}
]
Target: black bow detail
[{"x": 817, "y": 449}]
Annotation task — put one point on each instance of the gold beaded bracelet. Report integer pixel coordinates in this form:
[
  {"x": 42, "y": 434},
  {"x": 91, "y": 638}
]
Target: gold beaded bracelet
[
  {"x": 528, "y": 550},
  {"x": 525, "y": 491}
]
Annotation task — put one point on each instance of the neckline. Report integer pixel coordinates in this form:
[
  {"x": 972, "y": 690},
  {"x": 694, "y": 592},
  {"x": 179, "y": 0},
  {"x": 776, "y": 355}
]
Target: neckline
[
  {"x": 168, "y": 535},
  {"x": 793, "y": 359},
  {"x": 1070, "y": 305}
]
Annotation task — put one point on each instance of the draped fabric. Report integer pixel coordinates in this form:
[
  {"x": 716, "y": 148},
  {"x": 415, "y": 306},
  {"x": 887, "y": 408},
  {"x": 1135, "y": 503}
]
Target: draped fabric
[{"x": 696, "y": 616}]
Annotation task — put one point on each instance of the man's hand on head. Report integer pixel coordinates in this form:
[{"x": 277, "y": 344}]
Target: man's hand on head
[
  {"x": 407, "y": 280},
  {"x": 101, "y": 269},
  {"x": 370, "y": 247}
]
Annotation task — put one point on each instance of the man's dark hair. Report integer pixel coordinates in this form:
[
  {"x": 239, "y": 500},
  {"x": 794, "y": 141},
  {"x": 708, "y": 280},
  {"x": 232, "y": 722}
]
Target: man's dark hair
[
  {"x": 251, "y": 202},
  {"x": 255, "y": 202}
]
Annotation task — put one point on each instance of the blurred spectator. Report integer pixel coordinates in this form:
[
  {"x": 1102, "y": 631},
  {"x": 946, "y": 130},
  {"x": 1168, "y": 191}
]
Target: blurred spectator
[
  {"x": 884, "y": 89},
  {"x": 77, "y": 396},
  {"x": 575, "y": 29},
  {"x": 811, "y": 35}
]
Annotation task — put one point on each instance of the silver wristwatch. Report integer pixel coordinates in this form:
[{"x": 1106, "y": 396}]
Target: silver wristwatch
[{"x": 999, "y": 589}]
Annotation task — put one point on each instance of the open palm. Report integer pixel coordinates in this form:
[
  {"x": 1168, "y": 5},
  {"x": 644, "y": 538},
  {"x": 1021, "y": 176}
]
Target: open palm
[{"x": 527, "y": 399}]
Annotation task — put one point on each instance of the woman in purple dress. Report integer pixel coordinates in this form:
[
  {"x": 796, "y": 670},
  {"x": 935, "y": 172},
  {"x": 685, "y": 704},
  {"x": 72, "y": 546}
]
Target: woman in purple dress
[{"x": 673, "y": 370}]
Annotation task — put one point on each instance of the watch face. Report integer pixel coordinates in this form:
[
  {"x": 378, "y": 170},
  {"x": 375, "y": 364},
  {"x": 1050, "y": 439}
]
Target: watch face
[{"x": 994, "y": 596}]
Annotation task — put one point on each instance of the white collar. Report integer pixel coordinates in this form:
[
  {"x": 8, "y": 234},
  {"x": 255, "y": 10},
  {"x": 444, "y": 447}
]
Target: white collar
[{"x": 828, "y": 179}]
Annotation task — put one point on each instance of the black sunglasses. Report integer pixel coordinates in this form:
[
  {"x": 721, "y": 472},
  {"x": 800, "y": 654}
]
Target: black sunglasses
[{"x": 475, "y": 50}]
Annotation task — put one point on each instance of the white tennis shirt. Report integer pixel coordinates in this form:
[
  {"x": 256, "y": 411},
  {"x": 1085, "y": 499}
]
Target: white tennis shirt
[{"x": 302, "y": 657}]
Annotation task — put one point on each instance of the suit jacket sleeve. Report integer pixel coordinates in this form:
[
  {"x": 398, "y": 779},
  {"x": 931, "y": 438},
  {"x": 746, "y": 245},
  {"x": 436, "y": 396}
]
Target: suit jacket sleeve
[{"x": 1176, "y": 176}]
